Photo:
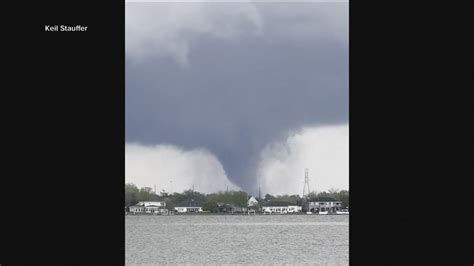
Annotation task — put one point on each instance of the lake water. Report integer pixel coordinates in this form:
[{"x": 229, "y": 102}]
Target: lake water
[{"x": 237, "y": 239}]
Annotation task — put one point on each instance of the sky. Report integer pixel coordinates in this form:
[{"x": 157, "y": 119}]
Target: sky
[{"x": 237, "y": 96}]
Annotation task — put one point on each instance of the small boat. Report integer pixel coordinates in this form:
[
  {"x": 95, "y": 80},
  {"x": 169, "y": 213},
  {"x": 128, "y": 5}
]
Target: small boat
[
  {"x": 342, "y": 212},
  {"x": 309, "y": 213},
  {"x": 322, "y": 213}
]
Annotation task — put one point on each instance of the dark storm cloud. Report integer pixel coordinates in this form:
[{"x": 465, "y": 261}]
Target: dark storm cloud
[{"x": 236, "y": 96}]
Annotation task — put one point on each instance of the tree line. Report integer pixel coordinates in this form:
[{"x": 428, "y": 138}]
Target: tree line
[{"x": 133, "y": 195}]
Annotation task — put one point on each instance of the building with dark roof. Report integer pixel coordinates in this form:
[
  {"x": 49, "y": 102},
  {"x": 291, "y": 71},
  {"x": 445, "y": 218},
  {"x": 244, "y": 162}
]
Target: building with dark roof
[
  {"x": 324, "y": 204},
  {"x": 188, "y": 206},
  {"x": 230, "y": 208}
]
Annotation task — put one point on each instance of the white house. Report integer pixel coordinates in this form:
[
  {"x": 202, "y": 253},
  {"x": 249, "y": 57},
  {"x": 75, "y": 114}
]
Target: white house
[
  {"x": 294, "y": 208},
  {"x": 280, "y": 207},
  {"x": 275, "y": 209},
  {"x": 137, "y": 209},
  {"x": 252, "y": 202},
  {"x": 187, "y": 209},
  {"x": 149, "y": 207}
]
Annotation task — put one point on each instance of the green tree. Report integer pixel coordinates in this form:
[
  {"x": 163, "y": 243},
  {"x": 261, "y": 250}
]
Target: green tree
[
  {"x": 131, "y": 194},
  {"x": 268, "y": 197},
  {"x": 293, "y": 199},
  {"x": 324, "y": 194},
  {"x": 312, "y": 195},
  {"x": 163, "y": 193},
  {"x": 144, "y": 194},
  {"x": 238, "y": 198},
  {"x": 189, "y": 196},
  {"x": 210, "y": 206},
  {"x": 169, "y": 204},
  {"x": 343, "y": 196}
]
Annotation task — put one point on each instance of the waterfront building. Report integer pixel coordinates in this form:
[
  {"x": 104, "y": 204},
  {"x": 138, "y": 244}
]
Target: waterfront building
[
  {"x": 253, "y": 205},
  {"x": 324, "y": 204},
  {"x": 149, "y": 207},
  {"x": 252, "y": 201},
  {"x": 188, "y": 209},
  {"x": 188, "y": 206},
  {"x": 280, "y": 207},
  {"x": 137, "y": 209},
  {"x": 238, "y": 209},
  {"x": 294, "y": 208},
  {"x": 230, "y": 208}
]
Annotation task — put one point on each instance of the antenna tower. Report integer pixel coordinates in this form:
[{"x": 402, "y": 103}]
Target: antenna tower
[{"x": 306, "y": 190}]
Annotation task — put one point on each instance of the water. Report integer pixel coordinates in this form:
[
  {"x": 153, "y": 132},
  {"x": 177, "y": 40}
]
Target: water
[{"x": 235, "y": 239}]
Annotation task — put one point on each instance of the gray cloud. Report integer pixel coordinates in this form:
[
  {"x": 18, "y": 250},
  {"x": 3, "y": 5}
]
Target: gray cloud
[
  {"x": 169, "y": 29},
  {"x": 235, "y": 95}
]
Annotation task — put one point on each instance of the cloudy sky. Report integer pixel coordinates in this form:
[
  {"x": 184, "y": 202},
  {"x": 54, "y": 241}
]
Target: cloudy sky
[{"x": 238, "y": 95}]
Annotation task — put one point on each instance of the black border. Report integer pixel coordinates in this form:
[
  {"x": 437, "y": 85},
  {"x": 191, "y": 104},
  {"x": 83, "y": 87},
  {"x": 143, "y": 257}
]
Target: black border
[
  {"x": 64, "y": 191},
  {"x": 410, "y": 134}
]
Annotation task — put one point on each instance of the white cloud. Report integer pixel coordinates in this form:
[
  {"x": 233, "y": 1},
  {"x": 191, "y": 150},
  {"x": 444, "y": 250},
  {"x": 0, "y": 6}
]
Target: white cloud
[
  {"x": 169, "y": 29},
  {"x": 173, "y": 169},
  {"x": 323, "y": 150}
]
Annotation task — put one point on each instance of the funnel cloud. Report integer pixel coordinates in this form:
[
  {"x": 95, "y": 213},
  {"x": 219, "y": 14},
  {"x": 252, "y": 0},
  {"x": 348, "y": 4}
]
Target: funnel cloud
[{"x": 233, "y": 79}]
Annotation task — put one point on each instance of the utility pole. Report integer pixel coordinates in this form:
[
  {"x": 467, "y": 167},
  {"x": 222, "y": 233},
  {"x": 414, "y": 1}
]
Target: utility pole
[{"x": 259, "y": 193}]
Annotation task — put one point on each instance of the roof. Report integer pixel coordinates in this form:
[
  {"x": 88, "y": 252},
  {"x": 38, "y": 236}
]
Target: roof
[
  {"x": 320, "y": 199},
  {"x": 142, "y": 203}
]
